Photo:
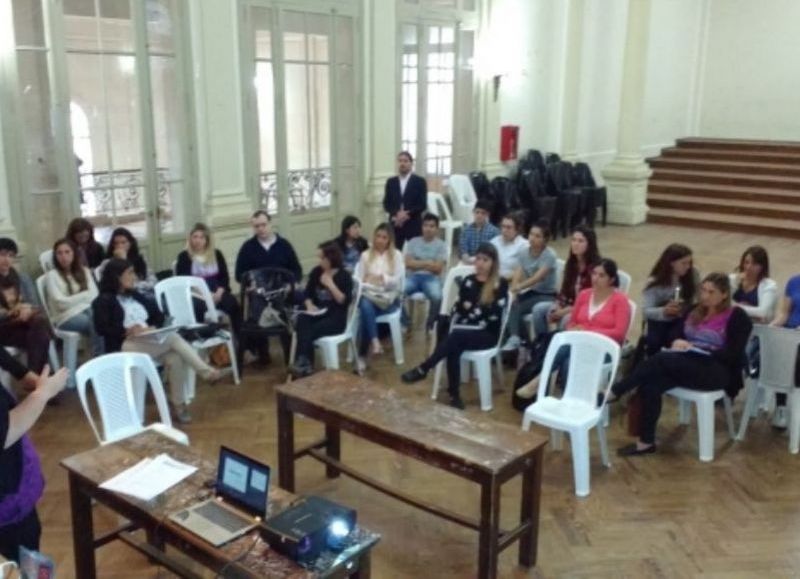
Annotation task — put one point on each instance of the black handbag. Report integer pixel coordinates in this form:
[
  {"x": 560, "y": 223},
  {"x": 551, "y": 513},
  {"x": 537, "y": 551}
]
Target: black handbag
[
  {"x": 200, "y": 333},
  {"x": 532, "y": 368}
]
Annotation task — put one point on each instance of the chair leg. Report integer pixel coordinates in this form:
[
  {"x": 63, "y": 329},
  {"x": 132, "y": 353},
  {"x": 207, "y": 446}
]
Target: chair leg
[
  {"x": 234, "y": 364},
  {"x": 705, "y": 430},
  {"x": 52, "y": 355},
  {"x": 397, "y": 340},
  {"x": 728, "y": 405},
  {"x": 483, "y": 368},
  {"x": 579, "y": 440},
  {"x": 794, "y": 421},
  {"x": 437, "y": 378},
  {"x": 464, "y": 371},
  {"x": 71, "y": 360},
  {"x": 555, "y": 439},
  {"x": 330, "y": 355},
  {"x": 601, "y": 437},
  {"x": 499, "y": 366},
  {"x": 750, "y": 405}
]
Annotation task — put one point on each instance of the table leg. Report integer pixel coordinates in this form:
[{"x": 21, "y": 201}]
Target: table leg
[
  {"x": 364, "y": 570},
  {"x": 529, "y": 510},
  {"x": 285, "y": 445},
  {"x": 489, "y": 530},
  {"x": 333, "y": 448},
  {"x": 82, "y": 529}
]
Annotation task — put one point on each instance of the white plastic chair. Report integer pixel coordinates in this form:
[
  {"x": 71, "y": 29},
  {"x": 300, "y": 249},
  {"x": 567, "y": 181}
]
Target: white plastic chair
[
  {"x": 176, "y": 294},
  {"x": 576, "y": 412},
  {"x": 71, "y": 340},
  {"x": 778, "y": 351},
  {"x": 624, "y": 281},
  {"x": 46, "y": 260},
  {"x": 560, "y": 263},
  {"x": 437, "y": 204},
  {"x": 329, "y": 345},
  {"x": 120, "y": 383},
  {"x": 705, "y": 415},
  {"x": 462, "y": 197}
]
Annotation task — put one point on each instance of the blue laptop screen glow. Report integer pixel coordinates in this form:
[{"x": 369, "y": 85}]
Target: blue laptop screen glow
[{"x": 243, "y": 480}]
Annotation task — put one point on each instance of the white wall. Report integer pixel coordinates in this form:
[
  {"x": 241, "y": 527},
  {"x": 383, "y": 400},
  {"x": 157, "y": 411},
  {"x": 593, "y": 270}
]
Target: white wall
[{"x": 751, "y": 86}]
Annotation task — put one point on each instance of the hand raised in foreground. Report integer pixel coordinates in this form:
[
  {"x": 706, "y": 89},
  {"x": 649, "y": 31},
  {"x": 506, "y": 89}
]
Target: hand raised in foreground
[{"x": 48, "y": 386}]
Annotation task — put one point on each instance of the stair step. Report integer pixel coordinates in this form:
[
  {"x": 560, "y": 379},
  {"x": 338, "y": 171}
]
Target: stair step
[
  {"x": 724, "y": 192},
  {"x": 738, "y": 167},
  {"x": 717, "y": 178},
  {"x": 692, "y": 218},
  {"x": 731, "y": 155},
  {"x": 739, "y": 144},
  {"x": 725, "y": 206}
]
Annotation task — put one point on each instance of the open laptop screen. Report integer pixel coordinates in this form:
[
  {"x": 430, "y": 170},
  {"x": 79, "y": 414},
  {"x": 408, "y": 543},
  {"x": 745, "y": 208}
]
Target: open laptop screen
[{"x": 243, "y": 481}]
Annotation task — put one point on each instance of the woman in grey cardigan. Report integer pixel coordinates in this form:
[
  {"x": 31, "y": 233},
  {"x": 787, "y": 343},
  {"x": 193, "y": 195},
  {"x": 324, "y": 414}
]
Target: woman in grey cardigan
[{"x": 670, "y": 293}]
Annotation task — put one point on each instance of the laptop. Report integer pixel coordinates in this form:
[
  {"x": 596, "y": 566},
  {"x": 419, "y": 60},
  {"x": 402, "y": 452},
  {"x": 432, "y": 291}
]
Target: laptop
[{"x": 239, "y": 505}]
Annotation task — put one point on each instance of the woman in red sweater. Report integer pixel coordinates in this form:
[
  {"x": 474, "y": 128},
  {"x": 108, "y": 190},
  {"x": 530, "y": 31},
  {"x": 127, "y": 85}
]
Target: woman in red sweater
[{"x": 603, "y": 309}]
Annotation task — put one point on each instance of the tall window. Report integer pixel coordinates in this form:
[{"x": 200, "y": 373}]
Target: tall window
[{"x": 304, "y": 98}]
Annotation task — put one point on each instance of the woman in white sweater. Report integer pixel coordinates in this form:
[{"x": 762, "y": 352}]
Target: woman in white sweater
[
  {"x": 751, "y": 287},
  {"x": 70, "y": 291}
]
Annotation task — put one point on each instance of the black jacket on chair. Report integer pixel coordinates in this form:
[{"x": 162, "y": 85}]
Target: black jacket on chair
[
  {"x": 414, "y": 200},
  {"x": 109, "y": 318}
]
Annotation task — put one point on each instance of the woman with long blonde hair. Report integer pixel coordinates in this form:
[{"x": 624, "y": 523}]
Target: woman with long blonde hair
[
  {"x": 477, "y": 318},
  {"x": 381, "y": 270}
]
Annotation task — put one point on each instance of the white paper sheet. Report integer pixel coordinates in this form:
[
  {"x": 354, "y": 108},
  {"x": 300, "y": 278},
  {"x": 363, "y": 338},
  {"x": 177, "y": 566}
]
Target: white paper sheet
[{"x": 150, "y": 477}]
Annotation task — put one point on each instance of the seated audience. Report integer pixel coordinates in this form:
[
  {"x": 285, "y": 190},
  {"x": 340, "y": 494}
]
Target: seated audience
[
  {"x": 381, "y": 270},
  {"x": 707, "y": 355},
  {"x": 329, "y": 292},
  {"x": 80, "y": 231},
  {"x": 753, "y": 290},
  {"x": 70, "y": 292},
  {"x": 123, "y": 245},
  {"x": 122, "y": 314},
  {"x": 202, "y": 259},
  {"x": 22, "y": 323},
  {"x": 426, "y": 258},
  {"x": 479, "y": 231},
  {"x": 509, "y": 244},
  {"x": 21, "y": 478},
  {"x": 266, "y": 249},
  {"x": 583, "y": 256},
  {"x": 668, "y": 295},
  {"x": 534, "y": 279},
  {"x": 602, "y": 309},
  {"x": 351, "y": 243},
  {"x": 787, "y": 316},
  {"x": 476, "y": 321}
]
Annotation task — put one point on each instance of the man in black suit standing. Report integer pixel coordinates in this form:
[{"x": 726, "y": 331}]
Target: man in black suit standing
[{"x": 405, "y": 200}]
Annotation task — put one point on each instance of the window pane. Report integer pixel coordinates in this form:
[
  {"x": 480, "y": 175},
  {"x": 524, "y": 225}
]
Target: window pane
[
  {"x": 116, "y": 26},
  {"x": 123, "y": 111},
  {"x": 87, "y": 118},
  {"x": 161, "y": 16},
  {"x": 318, "y": 30},
  {"x": 346, "y": 119},
  {"x": 168, "y": 117},
  {"x": 28, "y": 22},
  {"x": 34, "y": 93},
  {"x": 294, "y": 39},
  {"x": 80, "y": 25},
  {"x": 297, "y": 116},
  {"x": 319, "y": 115},
  {"x": 265, "y": 98},
  {"x": 262, "y": 27}
]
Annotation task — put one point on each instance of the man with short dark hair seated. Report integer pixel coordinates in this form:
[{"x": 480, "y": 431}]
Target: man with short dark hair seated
[
  {"x": 426, "y": 257},
  {"x": 22, "y": 323},
  {"x": 266, "y": 249},
  {"x": 479, "y": 231}
]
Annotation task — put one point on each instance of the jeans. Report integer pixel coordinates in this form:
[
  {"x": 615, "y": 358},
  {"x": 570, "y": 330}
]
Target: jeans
[
  {"x": 540, "y": 311},
  {"x": 430, "y": 285},
  {"x": 368, "y": 313},
  {"x": 83, "y": 324},
  {"x": 26, "y": 533},
  {"x": 523, "y": 305}
]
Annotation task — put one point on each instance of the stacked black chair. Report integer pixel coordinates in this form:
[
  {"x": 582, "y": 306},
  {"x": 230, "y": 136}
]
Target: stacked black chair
[
  {"x": 593, "y": 196},
  {"x": 504, "y": 198},
  {"x": 532, "y": 160},
  {"x": 568, "y": 197},
  {"x": 533, "y": 196},
  {"x": 552, "y": 158},
  {"x": 480, "y": 183}
]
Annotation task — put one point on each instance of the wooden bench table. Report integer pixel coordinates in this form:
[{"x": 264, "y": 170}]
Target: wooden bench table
[{"x": 472, "y": 447}]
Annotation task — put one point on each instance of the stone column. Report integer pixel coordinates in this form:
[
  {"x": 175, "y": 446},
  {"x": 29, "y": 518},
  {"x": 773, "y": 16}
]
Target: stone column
[
  {"x": 573, "y": 47},
  {"x": 488, "y": 97},
  {"x": 381, "y": 119},
  {"x": 216, "y": 75},
  {"x": 6, "y": 226},
  {"x": 626, "y": 176}
]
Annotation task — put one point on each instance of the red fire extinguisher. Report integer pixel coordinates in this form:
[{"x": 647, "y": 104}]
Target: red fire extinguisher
[{"x": 509, "y": 138}]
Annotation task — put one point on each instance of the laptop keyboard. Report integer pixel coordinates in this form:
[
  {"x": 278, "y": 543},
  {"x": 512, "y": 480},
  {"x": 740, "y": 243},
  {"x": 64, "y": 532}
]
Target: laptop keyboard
[{"x": 223, "y": 517}]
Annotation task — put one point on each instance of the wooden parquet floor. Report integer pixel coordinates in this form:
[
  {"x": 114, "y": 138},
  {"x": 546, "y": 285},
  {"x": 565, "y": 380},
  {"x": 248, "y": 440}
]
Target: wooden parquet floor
[{"x": 664, "y": 515}]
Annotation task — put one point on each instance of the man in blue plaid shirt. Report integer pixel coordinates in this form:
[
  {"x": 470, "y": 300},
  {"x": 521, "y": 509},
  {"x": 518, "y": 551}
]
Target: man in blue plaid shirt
[{"x": 479, "y": 231}]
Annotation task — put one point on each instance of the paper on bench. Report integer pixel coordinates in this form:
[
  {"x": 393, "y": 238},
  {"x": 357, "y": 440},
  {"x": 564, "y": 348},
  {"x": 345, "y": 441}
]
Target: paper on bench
[{"x": 150, "y": 477}]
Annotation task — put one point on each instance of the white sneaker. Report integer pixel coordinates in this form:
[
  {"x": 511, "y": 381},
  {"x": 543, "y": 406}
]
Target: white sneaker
[
  {"x": 511, "y": 344},
  {"x": 781, "y": 418}
]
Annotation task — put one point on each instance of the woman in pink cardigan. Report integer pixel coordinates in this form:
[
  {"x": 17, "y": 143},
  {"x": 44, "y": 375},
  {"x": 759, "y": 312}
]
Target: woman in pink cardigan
[{"x": 603, "y": 308}]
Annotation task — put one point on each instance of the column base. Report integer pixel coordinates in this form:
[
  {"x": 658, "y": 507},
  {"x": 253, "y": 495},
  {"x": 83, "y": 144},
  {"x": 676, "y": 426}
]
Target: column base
[
  {"x": 228, "y": 208},
  {"x": 626, "y": 181}
]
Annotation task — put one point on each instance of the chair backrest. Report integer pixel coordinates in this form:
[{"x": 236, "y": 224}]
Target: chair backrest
[
  {"x": 560, "y": 264},
  {"x": 778, "y": 352},
  {"x": 462, "y": 196},
  {"x": 46, "y": 260},
  {"x": 174, "y": 295},
  {"x": 352, "y": 313},
  {"x": 41, "y": 288},
  {"x": 624, "y": 281},
  {"x": 120, "y": 382},
  {"x": 451, "y": 285},
  {"x": 633, "y": 306},
  {"x": 437, "y": 204},
  {"x": 588, "y": 367}
]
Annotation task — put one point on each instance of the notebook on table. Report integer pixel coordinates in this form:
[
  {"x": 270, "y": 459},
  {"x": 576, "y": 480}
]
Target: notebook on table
[{"x": 239, "y": 504}]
